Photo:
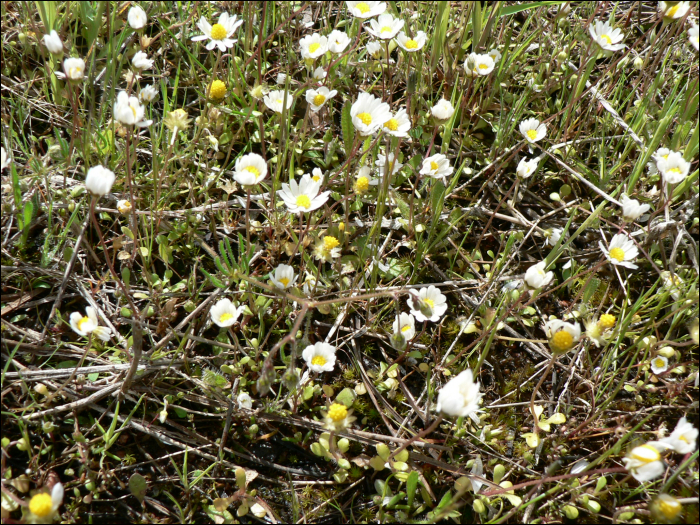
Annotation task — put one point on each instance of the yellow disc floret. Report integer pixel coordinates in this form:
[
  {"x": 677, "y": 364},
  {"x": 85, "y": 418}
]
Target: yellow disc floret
[
  {"x": 41, "y": 505},
  {"x": 406, "y": 328},
  {"x": 252, "y": 169},
  {"x": 362, "y": 184},
  {"x": 386, "y": 29},
  {"x": 330, "y": 242},
  {"x": 314, "y": 47},
  {"x": 362, "y": 7},
  {"x": 217, "y": 90},
  {"x": 225, "y": 317},
  {"x": 392, "y": 124},
  {"x": 676, "y": 171},
  {"x": 284, "y": 281},
  {"x": 218, "y": 32},
  {"x": 483, "y": 66},
  {"x": 618, "y": 254},
  {"x": 318, "y": 360},
  {"x": 366, "y": 118},
  {"x": 607, "y": 321},
  {"x": 646, "y": 454},
  {"x": 561, "y": 341},
  {"x": 606, "y": 38},
  {"x": 303, "y": 201},
  {"x": 319, "y": 100},
  {"x": 434, "y": 165},
  {"x": 411, "y": 44},
  {"x": 337, "y": 412},
  {"x": 532, "y": 134},
  {"x": 429, "y": 302}
]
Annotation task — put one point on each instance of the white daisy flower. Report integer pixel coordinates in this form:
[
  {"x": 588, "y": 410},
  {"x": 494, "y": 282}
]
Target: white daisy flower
[
  {"x": 318, "y": 97},
  {"x": 284, "y": 277},
  {"x": 428, "y": 304},
  {"x": 99, "y": 181},
  {"x": 562, "y": 336},
  {"x": 606, "y": 37},
  {"x": 137, "y": 18},
  {"x": 374, "y": 49},
  {"x": 337, "y": 41},
  {"x": 275, "y": 100},
  {"x": 366, "y": 9},
  {"x": 303, "y": 197},
  {"x": 129, "y": 111},
  {"x": 532, "y": 130},
  {"x": 381, "y": 164},
  {"x": 661, "y": 154},
  {"x": 460, "y": 397},
  {"x": 536, "y": 277},
  {"x": 385, "y": 27},
  {"x": 683, "y": 439},
  {"x": 338, "y": 417},
  {"x": 244, "y": 401},
  {"x": 621, "y": 251},
  {"x": 319, "y": 357},
  {"x": 631, "y": 209},
  {"x": 411, "y": 45},
  {"x": 694, "y": 36},
  {"x": 87, "y": 324},
  {"x": 405, "y": 325},
  {"x": 478, "y": 65},
  {"x": 43, "y": 507},
  {"x": 53, "y": 43},
  {"x": 659, "y": 364},
  {"x": 666, "y": 507},
  {"x": 327, "y": 248},
  {"x": 141, "y": 61},
  {"x": 526, "y": 167},
  {"x": 224, "y": 313},
  {"x": 313, "y": 46},
  {"x": 552, "y": 236},
  {"x": 495, "y": 54},
  {"x": 250, "y": 169},
  {"x": 124, "y": 207},
  {"x": 443, "y": 110},
  {"x": 644, "y": 462},
  {"x": 319, "y": 73},
  {"x": 369, "y": 113},
  {"x": 674, "y": 168},
  {"x": 148, "y": 94},
  {"x": 364, "y": 180},
  {"x": 673, "y": 10},
  {"x": 398, "y": 125},
  {"x": 317, "y": 175},
  {"x": 437, "y": 166},
  {"x": 74, "y": 69},
  {"x": 595, "y": 333},
  {"x": 220, "y": 33}
]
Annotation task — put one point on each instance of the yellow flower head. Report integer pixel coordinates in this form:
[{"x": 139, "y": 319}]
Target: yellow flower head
[{"x": 217, "y": 90}]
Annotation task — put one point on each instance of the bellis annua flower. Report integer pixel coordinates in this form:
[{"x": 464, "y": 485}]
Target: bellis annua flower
[
  {"x": 313, "y": 46},
  {"x": 364, "y": 180},
  {"x": 275, "y": 100},
  {"x": 124, "y": 207},
  {"x": 495, "y": 54},
  {"x": 607, "y": 38},
  {"x": 148, "y": 94},
  {"x": 74, "y": 69},
  {"x": 385, "y": 27},
  {"x": 683, "y": 439},
  {"x": 398, "y": 125},
  {"x": 245, "y": 401},
  {"x": 369, "y": 113},
  {"x": 53, "y": 43},
  {"x": 338, "y": 417},
  {"x": 671, "y": 11},
  {"x": 562, "y": 336},
  {"x": 428, "y": 304},
  {"x": 631, "y": 209},
  {"x": 224, "y": 313},
  {"x": 250, "y": 169},
  {"x": 87, "y": 324},
  {"x": 43, "y": 507},
  {"x": 665, "y": 509},
  {"x": 526, "y": 167},
  {"x": 536, "y": 277},
  {"x": 318, "y": 97},
  {"x": 381, "y": 161},
  {"x": 319, "y": 357},
  {"x": 659, "y": 364},
  {"x": 284, "y": 277},
  {"x": 129, "y": 111},
  {"x": 366, "y": 9},
  {"x": 99, "y": 181},
  {"x": 621, "y": 251},
  {"x": 673, "y": 168},
  {"x": 552, "y": 236},
  {"x": 220, "y": 33},
  {"x": 442, "y": 111},
  {"x": 405, "y": 325},
  {"x": 411, "y": 45},
  {"x": 137, "y": 18},
  {"x": 141, "y": 61},
  {"x": 478, "y": 65},
  {"x": 303, "y": 197},
  {"x": 532, "y": 130},
  {"x": 460, "y": 397},
  {"x": 337, "y": 41},
  {"x": 644, "y": 462},
  {"x": 437, "y": 166}
]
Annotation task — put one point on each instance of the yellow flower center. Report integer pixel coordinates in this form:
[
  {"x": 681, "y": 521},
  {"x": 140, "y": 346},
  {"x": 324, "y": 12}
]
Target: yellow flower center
[
  {"x": 279, "y": 100},
  {"x": 75, "y": 72},
  {"x": 411, "y": 44},
  {"x": 362, "y": 7},
  {"x": 284, "y": 281},
  {"x": 659, "y": 363},
  {"x": 606, "y": 321},
  {"x": 337, "y": 412},
  {"x": 672, "y": 11},
  {"x": 366, "y": 118},
  {"x": 387, "y": 29},
  {"x": 532, "y": 134},
  {"x": 40, "y": 505},
  {"x": 314, "y": 47},
  {"x": 133, "y": 110},
  {"x": 561, "y": 341},
  {"x": 318, "y": 360},
  {"x": 218, "y": 32},
  {"x": 303, "y": 201},
  {"x": 330, "y": 242},
  {"x": 677, "y": 171},
  {"x": 217, "y": 90},
  {"x": 362, "y": 185},
  {"x": 225, "y": 317},
  {"x": 82, "y": 322},
  {"x": 618, "y": 254},
  {"x": 252, "y": 169},
  {"x": 315, "y": 178},
  {"x": 670, "y": 508},
  {"x": 406, "y": 328},
  {"x": 647, "y": 455},
  {"x": 606, "y": 38},
  {"x": 392, "y": 124},
  {"x": 434, "y": 165},
  {"x": 319, "y": 99},
  {"x": 429, "y": 302},
  {"x": 483, "y": 66}
]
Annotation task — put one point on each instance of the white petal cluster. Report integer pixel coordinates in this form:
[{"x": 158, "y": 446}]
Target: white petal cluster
[
  {"x": 313, "y": 46},
  {"x": 369, "y": 113},
  {"x": 74, "y": 69},
  {"x": 683, "y": 439},
  {"x": 552, "y": 236},
  {"x": 398, "y": 125},
  {"x": 673, "y": 10},
  {"x": 385, "y": 27},
  {"x": 366, "y": 9},
  {"x": 631, "y": 209},
  {"x": 532, "y": 130},
  {"x": 526, "y": 167},
  {"x": 244, "y": 401},
  {"x": 318, "y": 97},
  {"x": 437, "y": 166},
  {"x": 443, "y": 110},
  {"x": 319, "y": 357},
  {"x": 694, "y": 36},
  {"x": 460, "y": 397},
  {"x": 53, "y": 43},
  {"x": 536, "y": 277},
  {"x": 411, "y": 45},
  {"x": 99, "y": 181},
  {"x": 284, "y": 277},
  {"x": 250, "y": 169},
  {"x": 673, "y": 167},
  {"x": 607, "y": 38},
  {"x": 137, "y": 18},
  {"x": 224, "y": 313},
  {"x": 303, "y": 197},
  {"x": 141, "y": 61},
  {"x": 405, "y": 325},
  {"x": 148, "y": 94},
  {"x": 129, "y": 111},
  {"x": 275, "y": 100},
  {"x": 337, "y": 41},
  {"x": 87, "y": 324},
  {"x": 381, "y": 164},
  {"x": 5, "y": 160},
  {"x": 562, "y": 336},
  {"x": 659, "y": 364},
  {"x": 427, "y": 304},
  {"x": 621, "y": 251},
  {"x": 220, "y": 33},
  {"x": 644, "y": 462},
  {"x": 478, "y": 65}
]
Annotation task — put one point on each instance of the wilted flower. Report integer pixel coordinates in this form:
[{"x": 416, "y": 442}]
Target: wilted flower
[
  {"x": 536, "y": 277},
  {"x": 250, "y": 169},
  {"x": 148, "y": 94},
  {"x": 177, "y": 120},
  {"x": 319, "y": 357},
  {"x": 318, "y": 97},
  {"x": 53, "y": 43},
  {"x": 532, "y": 130},
  {"x": 129, "y": 111},
  {"x": 338, "y": 418},
  {"x": 141, "y": 61},
  {"x": 137, "y": 17},
  {"x": 673, "y": 283},
  {"x": 374, "y": 49},
  {"x": 437, "y": 166},
  {"x": 87, "y": 324},
  {"x": 366, "y": 9},
  {"x": 245, "y": 401},
  {"x": 385, "y": 27},
  {"x": 381, "y": 161},
  {"x": 369, "y": 113},
  {"x": 599, "y": 330},
  {"x": 411, "y": 45},
  {"x": 644, "y": 462},
  {"x": 337, "y": 41},
  {"x": 284, "y": 277},
  {"x": 303, "y": 197},
  {"x": 275, "y": 100},
  {"x": 224, "y": 313},
  {"x": 631, "y": 209},
  {"x": 43, "y": 507},
  {"x": 460, "y": 397},
  {"x": 220, "y": 33},
  {"x": 562, "y": 336},
  {"x": 621, "y": 251},
  {"x": 526, "y": 167},
  {"x": 606, "y": 37},
  {"x": 428, "y": 304},
  {"x": 683, "y": 439},
  {"x": 99, "y": 181}
]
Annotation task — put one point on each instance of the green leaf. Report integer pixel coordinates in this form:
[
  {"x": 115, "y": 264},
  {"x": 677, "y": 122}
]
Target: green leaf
[
  {"x": 347, "y": 128},
  {"x": 138, "y": 487},
  {"x": 214, "y": 280},
  {"x": 411, "y": 486}
]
